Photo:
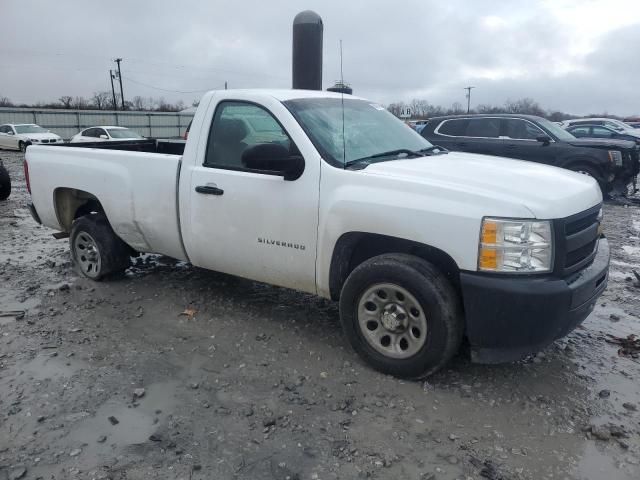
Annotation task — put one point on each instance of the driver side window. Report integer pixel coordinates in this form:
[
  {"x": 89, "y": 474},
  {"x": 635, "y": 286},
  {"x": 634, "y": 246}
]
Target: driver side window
[
  {"x": 522, "y": 130},
  {"x": 237, "y": 126}
]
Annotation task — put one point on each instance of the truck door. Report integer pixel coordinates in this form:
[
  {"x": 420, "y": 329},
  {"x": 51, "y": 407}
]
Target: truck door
[{"x": 245, "y": 222}]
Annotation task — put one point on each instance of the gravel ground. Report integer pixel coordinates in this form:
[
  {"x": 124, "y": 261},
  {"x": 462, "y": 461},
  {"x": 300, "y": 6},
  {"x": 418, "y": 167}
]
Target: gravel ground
[{"x": 174, "y": 372}]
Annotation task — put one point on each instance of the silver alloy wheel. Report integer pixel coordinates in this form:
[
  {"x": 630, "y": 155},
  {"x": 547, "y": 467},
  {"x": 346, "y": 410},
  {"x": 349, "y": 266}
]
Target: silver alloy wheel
[
  {"x": 87, "y": 254},
  {"x": 392, "y": 320}
]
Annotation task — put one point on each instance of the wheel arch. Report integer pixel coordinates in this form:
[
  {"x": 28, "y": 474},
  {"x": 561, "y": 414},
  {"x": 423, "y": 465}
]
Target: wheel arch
[
  {"x": 353, "y": 248},
  {"x": 572, "y": 163},
  {"x": 72, "y": 203}
]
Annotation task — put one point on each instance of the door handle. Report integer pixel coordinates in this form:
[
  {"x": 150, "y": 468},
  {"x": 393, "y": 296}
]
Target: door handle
[{"x": 209, "y": 190}]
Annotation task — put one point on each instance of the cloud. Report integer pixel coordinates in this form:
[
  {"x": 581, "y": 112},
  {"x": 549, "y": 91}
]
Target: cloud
[{"x": 577, "y": 56}]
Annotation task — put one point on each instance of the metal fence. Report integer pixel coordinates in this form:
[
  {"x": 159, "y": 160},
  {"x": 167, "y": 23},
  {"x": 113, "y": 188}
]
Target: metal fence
[{"x": 67, "y": 123}]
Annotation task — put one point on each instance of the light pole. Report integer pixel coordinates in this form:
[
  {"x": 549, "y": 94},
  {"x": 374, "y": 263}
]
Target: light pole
[
  {"x": 118, "y": 60},
  {"x": 468, "y": 89}
]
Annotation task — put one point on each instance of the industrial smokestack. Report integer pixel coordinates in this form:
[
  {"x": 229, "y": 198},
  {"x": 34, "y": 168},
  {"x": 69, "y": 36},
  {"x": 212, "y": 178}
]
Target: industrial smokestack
[{"x": 307, "y": 51}]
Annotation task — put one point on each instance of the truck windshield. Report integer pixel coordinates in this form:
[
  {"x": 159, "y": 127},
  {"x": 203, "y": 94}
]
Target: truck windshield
[
  {"x": 30, "y": 129},
  {"x": 369, "y": 130}
]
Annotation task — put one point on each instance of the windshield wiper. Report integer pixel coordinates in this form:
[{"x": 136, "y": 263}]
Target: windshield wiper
[
  {"x": 432, "y": 150},
  {"x": 390, "y": 153}
]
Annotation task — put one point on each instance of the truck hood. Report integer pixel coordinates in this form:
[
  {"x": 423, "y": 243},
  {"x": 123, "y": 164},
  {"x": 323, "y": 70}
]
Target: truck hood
[
  {"x": 547, "y": 192},
  {"x": 602, "y": 143}
]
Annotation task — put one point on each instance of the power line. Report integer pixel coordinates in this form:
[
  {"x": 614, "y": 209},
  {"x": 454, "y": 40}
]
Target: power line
[
  {"x": 168, "y": 90},
  {"x": 141, "y": 60}
]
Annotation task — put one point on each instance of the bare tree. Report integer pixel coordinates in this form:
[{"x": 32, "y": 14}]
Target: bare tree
[
  {"x": 419, "y": 108},
  {"x": 525, "y": 106},
  {"x": 139, "y": 103},
  {"x": 456, "y": 109},
  {"x": 66, "y": 101},
  {"x": 101, "y": 100},
  {"x": 396, "y": 108},
  {"x": 5, "y": 102},
  {"x": 80, "y": 103}
]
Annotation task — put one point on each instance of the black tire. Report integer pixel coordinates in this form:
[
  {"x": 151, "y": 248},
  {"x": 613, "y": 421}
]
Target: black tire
[
  {"x": 22, "y": 147},
  {"x": 438, "y": 300},
  {"x": 5, "y": 183},
  {"x": 96, "y": 251}
]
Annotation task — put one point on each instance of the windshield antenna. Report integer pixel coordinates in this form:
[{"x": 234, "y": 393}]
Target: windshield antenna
[{"x": 344, "y": 147}]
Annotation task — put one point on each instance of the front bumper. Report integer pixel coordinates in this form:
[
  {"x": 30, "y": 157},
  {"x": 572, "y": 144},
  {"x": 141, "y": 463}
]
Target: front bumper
[{"x": 508, "y": 318}]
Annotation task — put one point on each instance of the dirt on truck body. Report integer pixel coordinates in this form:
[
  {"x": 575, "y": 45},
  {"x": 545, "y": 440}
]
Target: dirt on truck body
[{"x": 174, "y": 372}]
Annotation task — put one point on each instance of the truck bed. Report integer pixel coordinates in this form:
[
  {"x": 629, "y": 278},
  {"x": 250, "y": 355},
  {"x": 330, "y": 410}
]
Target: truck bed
[
  {"x": 136, "y": 188},
  {"x": 150, "y": 145}
]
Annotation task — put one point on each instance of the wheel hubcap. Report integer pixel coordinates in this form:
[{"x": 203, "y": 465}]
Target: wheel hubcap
[
  {"x": 87, "y": 254},
  {"x": 392, "y": 320}
]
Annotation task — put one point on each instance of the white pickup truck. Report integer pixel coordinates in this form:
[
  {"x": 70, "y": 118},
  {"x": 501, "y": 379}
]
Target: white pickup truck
[{"x": 335, "y": 196}]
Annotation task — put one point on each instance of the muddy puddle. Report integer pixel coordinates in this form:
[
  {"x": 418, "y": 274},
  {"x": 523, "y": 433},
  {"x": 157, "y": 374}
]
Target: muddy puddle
[{"x": 135, "y": 423}]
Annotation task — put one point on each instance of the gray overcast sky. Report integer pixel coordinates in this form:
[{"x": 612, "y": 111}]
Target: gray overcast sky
[{"x": 579, "y": 56}]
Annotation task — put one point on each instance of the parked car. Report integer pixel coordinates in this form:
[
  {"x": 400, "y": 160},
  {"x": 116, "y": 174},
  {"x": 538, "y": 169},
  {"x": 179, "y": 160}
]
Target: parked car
[
  {"x": 5, "y": 182},
  {"x": 105, "y": 134},
  {"x": 417, "y": 125},
  {"x": 608, "y": 122},
  {"x": 20, "y": 136},
  {"x": 613, "y": 163},
  {"x": 421, "y": 247},
  {"x": 634, "y": 124},
  {"x": 601, "y": 131}
]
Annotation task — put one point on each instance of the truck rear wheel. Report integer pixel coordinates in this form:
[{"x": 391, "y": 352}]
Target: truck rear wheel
[
  {"x": 96, "y": 250},
  {"x": 401, "y": 315},
  {"x": 5, "y": 183}
]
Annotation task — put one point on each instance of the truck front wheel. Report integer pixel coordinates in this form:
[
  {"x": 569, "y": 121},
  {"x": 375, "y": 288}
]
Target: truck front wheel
[
  {"x": 401, "y": 315},
  {"x": 96, "y": 250}
]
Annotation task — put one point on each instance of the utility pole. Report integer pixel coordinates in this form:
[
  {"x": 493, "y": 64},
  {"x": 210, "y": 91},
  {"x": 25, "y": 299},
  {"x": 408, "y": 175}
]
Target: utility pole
[
  {"x": 113, "y": 90},
  {"x": 225, "y": 84},
  {"x": 118, "y": 60},
  {"x": 468, "y": 89}
]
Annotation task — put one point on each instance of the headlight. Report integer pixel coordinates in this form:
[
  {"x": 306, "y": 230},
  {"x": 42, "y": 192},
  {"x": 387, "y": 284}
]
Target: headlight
[
  {"x": 615, "y": 157},
  {"x": 515, "y": 246},
  {"x": 34, "y": 140}
]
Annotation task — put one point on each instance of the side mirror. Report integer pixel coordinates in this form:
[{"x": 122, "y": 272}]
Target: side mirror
[
  {"x": 273, "y": 157},
  {"x": 10, "y": 133},
  {"x": 544, "y": 139},
  {"x": 104, "y": 137}
]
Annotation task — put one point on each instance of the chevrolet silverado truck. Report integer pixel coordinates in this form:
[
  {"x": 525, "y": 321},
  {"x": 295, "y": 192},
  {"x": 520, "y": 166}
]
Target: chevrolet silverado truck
[{"x": 334, "y": 196}]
